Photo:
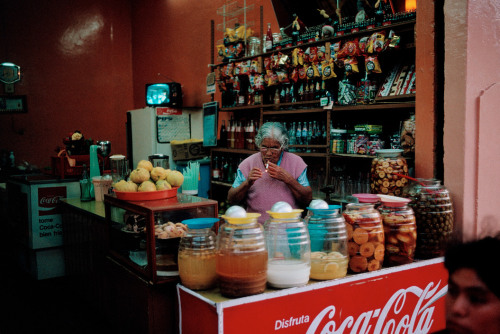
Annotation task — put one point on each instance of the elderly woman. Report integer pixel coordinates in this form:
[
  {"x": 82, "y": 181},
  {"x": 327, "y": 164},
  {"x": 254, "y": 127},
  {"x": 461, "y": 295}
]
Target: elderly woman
[{"x": 271, "y": 175}]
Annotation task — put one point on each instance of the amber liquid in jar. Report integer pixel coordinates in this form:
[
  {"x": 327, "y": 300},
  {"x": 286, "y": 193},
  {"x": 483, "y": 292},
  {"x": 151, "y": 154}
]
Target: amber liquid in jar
[
  {"x": 197, "y": 269},
  {"x": 241, "y": 274},
  {"x": 365, "y": 237}
]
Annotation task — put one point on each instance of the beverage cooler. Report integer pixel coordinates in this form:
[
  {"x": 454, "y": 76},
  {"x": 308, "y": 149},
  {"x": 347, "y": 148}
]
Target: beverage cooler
[
  {"x": 150, "y": 131},
  {"x": 36, "y": 222}
]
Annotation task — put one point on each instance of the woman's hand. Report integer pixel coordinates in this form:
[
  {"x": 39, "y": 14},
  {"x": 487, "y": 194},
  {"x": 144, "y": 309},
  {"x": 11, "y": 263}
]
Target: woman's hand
[
  {"x": 278, "y": 173},
  {"x": 254, "y": 175}
]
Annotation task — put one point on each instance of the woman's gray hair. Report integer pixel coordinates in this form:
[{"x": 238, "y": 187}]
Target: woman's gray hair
[{"x": 273, "y": 130}]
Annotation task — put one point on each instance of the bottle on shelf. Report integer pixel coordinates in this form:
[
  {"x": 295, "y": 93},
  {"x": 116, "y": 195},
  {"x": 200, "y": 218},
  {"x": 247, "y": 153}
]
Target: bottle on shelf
[
  {"x": 269, "y": 39},
  {"x": 216, "y": 169},
  {"x": 304, "y": 134},
  {"x": 299, "y": 136},
  {"x": 225, "y": 169},
  {"x": 239, "y": 136},
  {"x": 309, "y": 135},
  {"x": 291, "y": 135},
  {"x": 223, "y": 135},
  {"x": 231, "y": 134}
]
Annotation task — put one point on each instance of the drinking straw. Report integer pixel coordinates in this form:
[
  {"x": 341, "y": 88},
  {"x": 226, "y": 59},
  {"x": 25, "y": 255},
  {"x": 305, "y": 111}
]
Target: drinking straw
[{"x": 191, "y": 176}]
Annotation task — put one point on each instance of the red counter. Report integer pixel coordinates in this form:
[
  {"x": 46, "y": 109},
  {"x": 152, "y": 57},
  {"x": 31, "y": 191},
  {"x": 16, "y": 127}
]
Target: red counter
[{"x": 404, "y": 299}]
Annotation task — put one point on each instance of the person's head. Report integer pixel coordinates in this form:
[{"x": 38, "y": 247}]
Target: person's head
[
  {"x": 271, "y": 140},
  {"x": 473, "y": 298}
]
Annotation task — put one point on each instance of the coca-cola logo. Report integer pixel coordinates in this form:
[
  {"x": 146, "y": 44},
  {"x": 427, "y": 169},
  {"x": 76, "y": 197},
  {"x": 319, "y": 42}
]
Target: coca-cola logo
[
  {"x": 48, "y": 198},
  {"x": 393, "y": 317}
]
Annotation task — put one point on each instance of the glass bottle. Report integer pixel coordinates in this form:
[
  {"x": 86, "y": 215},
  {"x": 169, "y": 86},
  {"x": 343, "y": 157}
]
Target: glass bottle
[
  {"x": 289, "y": 249},
  {"x": 269, "y": 39},
  {"x": 85, "y": 186},
  {"x": 366, "y": 238},
  {"x": 299, "y": 135},
  {"x": 197, "y": 252},
  {"x": 223, "y": 135},
  {"x": 387, "y": 173},
  {"x": 434, "y": 215},
  {"x": 216, "y": 169},
  {"x": 400, "y": 231},
  {"x": 241, "y": 261},
  {"x": 328, "y": 234}
]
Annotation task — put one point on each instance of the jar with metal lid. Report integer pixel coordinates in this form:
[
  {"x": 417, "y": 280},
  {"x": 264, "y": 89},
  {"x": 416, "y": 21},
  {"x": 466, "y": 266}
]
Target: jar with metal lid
[
  {"x": 400, "y": 230},
  {"x": 196, "y": 256},
  {"x": 328, "y": 234},
  {"x": 365, "y": 237},
  {"x": 434, "y": 215},
  {"x": 254, "y": 47},
  {"x": 388, "y": 171},
  {"x": 289, "y": 249},
  {"x": 241, "y": 261}
]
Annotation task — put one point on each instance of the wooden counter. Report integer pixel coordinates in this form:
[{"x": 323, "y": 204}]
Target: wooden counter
[{"x": 130, "y": 303}]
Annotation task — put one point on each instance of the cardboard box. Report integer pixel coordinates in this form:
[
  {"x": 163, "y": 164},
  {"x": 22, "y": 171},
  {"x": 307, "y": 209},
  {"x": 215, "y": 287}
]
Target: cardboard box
[{"x": 188, "y": 150}]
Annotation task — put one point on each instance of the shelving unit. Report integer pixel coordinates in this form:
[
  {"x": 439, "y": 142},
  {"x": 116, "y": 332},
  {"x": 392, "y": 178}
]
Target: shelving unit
[{"x": 389, "y": 110}]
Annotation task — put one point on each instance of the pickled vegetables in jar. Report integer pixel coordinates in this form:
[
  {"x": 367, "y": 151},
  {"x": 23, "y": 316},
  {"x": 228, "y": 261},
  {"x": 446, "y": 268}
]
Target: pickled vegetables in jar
[
  {"x": 400, "y": 230},
  {"x": 365, "y": 237},
  {"x": 387, "y": 172}
]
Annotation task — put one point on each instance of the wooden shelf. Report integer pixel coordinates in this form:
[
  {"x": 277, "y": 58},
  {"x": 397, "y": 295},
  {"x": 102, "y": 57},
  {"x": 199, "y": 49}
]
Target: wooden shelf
[
  {"x": 376, "y": 106},
  {"x": 233, "y": 150},
  {"x": 220, "y": 183}
]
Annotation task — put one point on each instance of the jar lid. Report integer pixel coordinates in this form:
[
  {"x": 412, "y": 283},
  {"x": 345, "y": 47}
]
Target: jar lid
[
  {"x": 198, "y": 223},
  {"x": 394, "y": 201},
  {"x": 390, "y": 152},
  {"x": 366, "y": 198},
  {"x": 281, "y": 215},
  {"x": 323, "y": 212},
  {"x": 250, "y": 217}
]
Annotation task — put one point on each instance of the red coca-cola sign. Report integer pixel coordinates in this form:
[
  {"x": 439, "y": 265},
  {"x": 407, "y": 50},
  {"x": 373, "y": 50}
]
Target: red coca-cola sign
[
  {"x": 407, "y": 299},
  {"x": 48, "y": 198}
]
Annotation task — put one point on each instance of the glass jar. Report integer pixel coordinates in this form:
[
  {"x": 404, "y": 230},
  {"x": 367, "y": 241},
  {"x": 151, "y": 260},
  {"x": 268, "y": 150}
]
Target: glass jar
[
  {"x": 434, "y": 214},
  {"x": 365, "y": 237},
  {"x": 289, "y": 249},
  {"x": 387, "y": 173},
  {"x": 241, "y": 260},
  {"x": 328, "y": 234},
  {"x": 196, "y": 257},
  {"x": 400, "y": 231}
]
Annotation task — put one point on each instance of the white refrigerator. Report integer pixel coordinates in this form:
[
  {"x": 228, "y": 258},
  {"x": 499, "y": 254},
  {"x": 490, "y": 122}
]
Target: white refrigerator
[{"x": 150, "y": 130}]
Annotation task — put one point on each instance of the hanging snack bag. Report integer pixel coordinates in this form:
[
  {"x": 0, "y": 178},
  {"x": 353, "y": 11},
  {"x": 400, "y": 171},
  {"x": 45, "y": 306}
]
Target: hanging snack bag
[
  {"x": 328, "y": 70},
  {"x": 349, "y": 49},
  {"x": 302, "y": 72},
  {"x": 372, "y": 64},
  {"x": 351, "y": 65}
]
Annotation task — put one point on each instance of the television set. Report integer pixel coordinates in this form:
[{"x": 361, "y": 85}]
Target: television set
[{"x": 164, "y": 95}]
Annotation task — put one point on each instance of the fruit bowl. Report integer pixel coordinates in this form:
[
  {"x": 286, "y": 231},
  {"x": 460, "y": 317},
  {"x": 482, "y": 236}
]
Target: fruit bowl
[{"x": 146, "y": 195}]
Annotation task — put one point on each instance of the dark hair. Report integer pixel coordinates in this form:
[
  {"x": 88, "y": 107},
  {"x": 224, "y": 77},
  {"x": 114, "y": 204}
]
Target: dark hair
[{"x": 479, "y": 255}]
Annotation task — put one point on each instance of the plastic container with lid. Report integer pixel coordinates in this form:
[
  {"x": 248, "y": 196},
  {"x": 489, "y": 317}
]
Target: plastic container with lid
[
  {"x": 196, "y": 256},
  {"x": 400, "y": 230},
  {"x": 328, "y": 234},
  {"x": 289, "y": 249},
  {"x": 434, "y": 214},
  {"x": 241, "y": 261},
  {"x": 365, "y": 237},
  {"x": 388, "y": 171}
]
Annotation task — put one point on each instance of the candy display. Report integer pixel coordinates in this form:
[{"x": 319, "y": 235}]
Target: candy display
[
  {"x": 388, "y": 171},
  {"x": 365, "y": 237}
]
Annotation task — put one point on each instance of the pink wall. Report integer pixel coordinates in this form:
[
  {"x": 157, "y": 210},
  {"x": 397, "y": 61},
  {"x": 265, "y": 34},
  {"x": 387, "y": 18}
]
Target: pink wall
[{"x": 472, "y": 96}]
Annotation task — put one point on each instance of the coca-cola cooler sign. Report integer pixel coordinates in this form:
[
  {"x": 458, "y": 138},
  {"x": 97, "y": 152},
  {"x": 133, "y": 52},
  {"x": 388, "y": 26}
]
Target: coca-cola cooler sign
[{"x": 405, "y": 299}]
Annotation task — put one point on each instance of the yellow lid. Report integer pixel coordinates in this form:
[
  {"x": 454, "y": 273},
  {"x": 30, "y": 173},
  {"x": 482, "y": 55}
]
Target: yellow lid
[
  {"x": 242, "y": 220},
  {"x": 283, "y": 215}
]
